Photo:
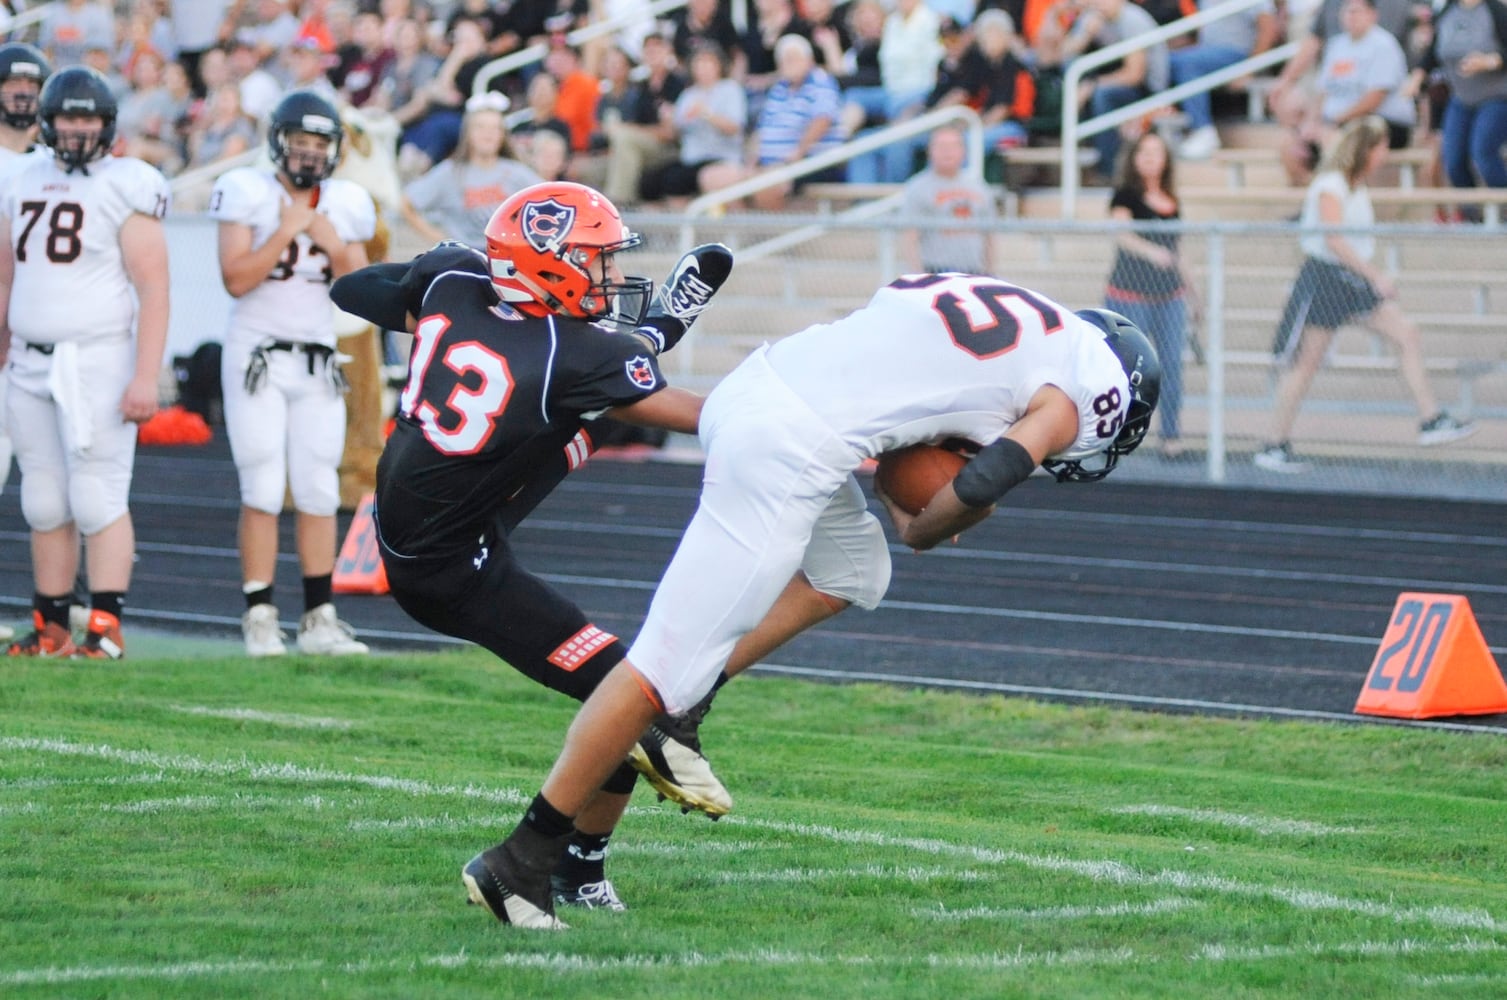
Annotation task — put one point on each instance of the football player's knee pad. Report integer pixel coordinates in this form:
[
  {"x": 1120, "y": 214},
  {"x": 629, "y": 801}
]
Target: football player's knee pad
[
  {"x": 851, "y": 563},
  {"x": 44, "y": 500},
  {"x": 98, "y": 497},
  {"x": 315, "y": 491},
  {"x": 263, "y": 485}
]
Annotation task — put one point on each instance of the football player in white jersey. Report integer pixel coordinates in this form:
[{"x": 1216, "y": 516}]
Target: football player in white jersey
[
  {"x": 285, "y": 235},
  {"x": 23, "y": 70},
  {"x": 83, "y": 263},
  {"x": 783, "y": 522}
]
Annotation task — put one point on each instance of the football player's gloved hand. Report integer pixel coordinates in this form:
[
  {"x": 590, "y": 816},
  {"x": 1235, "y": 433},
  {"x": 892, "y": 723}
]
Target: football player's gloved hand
[{"x": 685, "y": 293}]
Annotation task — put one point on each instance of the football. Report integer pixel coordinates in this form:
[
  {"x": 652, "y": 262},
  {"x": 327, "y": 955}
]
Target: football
[{"x": 911, "y": 476}]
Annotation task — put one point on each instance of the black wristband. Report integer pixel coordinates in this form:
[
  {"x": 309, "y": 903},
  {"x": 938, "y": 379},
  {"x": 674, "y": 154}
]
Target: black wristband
[{"x": 996, "y": 470}]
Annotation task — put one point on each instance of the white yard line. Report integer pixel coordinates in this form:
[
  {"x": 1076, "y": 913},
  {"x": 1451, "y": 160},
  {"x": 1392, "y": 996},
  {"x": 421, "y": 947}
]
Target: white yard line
[
  {"x": 1256, "y": 824},
  {"x": 1170, "y": 904},
  {"x": 566, "y": 963},
  {"x": 1102, "y": 871}
]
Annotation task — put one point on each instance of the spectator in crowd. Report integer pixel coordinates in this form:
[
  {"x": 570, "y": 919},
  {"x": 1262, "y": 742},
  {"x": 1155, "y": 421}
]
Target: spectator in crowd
[
  {"x": 860, "y": 60},
  {"x": 543, "y": 98},
  {"x": 1149, "y": 283},
  {"x": 1220, "y": 43},
  {"x": 146, "y": 30},
  {"x": 101, "y": 59},
  {"x": 943, "y": 194},
  {"x": 1140, "y": 73},
  {"x": 830, "y": 34},
  {"x": 1364, "y": 72},
  {"x": 431, "y": 117},
  {"x": 643, "y": 139},
  {"x": 988, "y": 78},
  {"x": 709, "y": 118},
  {"x": 1292, "y": 95},
  {"x": 799, "y": 118},
  {"x": 272, "y": 31},
  {"x": 198, "y": 26},
  {"x": 317, "y": 23},
  {"x": 703, "y": 20},
  {"x": 579, "y": 91},
  {"x": 284, "y": 235},
  {"x": 455, "y": 199},
  {"x": 71, "y": 27},
  {"x": 364, "y": 74},
  {"x": 549, "y": 156},
  {"x": 754, "y": 60},
  {"x": 909, "y": 51},
  {"x": 1339, "y": 284},
  {"x": 149, "y": 115},
  {"x": 260, "y": 90},
  {"x": 223, "y": 131},
  {"x": 401, "y": 88},
  {"x": 1469, "y": 48},
  {"x": 306, "y": 65},
  {"x": 83, "y": 359}
]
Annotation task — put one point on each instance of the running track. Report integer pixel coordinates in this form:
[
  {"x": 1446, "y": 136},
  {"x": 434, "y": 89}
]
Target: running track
[{"x": 1163, "y": 597}]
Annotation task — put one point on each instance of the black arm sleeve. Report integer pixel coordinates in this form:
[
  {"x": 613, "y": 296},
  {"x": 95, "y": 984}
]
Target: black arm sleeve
[
  {"x": 378, "y": 294},
  {"x": 996, "y": 470}
]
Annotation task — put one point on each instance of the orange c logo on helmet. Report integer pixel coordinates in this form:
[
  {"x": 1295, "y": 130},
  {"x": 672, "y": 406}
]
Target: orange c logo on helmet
[{"x": 545, "y": 224}]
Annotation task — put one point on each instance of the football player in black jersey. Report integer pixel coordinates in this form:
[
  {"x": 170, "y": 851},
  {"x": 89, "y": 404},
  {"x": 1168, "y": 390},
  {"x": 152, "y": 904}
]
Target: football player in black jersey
[{"x": 512, "y": 350}]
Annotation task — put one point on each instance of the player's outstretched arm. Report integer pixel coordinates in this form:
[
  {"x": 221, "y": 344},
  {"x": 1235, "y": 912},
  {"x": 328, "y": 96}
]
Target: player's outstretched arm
[
  {"x": 685, "y": 294},
  {"x": 377, "y": 294},
  {"x": 671, "y": 408}
]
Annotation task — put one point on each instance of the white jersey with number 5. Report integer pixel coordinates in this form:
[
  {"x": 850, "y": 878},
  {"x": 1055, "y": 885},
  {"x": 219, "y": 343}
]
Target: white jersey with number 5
[
  {"x": 294, "y": 302},
  {"x": 71, "y": 281},
  {"x": 940, "y": 356}
]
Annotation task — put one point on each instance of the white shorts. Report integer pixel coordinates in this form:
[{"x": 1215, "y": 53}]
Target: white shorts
[{"x": 778, "y": 496}]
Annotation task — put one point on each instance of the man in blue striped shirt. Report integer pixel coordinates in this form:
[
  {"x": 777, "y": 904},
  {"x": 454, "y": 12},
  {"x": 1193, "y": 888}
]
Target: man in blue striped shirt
[{"x": 799, "y": 118}]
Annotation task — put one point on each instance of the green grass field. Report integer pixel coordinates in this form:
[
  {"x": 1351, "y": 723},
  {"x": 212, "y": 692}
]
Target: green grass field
[{"x": 219, "y": 827}]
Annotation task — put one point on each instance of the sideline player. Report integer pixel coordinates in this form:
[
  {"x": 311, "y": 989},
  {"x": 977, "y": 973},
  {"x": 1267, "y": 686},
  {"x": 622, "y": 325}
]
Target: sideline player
[
  {"x": 23, "y": 70},
  {"x": 83, "y": 259},
  {"x": 513, "y": 349},
  {"x": 1031, "y": 381},
  {"x": 285, "y": 235}
]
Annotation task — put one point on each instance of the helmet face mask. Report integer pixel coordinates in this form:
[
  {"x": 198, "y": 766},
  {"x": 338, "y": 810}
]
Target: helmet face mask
[
  {"x": 70, "y": 99},
  {"x": 553, "y": 245},
  {"x": 23, "y": 71},
  {"x": 1143, "y": 372},
  {"x": 299, "y": 118}
]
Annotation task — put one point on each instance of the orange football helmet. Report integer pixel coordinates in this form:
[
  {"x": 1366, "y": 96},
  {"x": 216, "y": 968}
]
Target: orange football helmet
[{"x": 550, "y": 248}]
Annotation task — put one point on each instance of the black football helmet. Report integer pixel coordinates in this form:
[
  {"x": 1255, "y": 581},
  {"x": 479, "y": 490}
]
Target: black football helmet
[
  {"x": 1143, "y": 369},
  {"x": 304, "y": 111},
  {"x": 77, "y": 90},
  {"x": 22, "y": 62}
]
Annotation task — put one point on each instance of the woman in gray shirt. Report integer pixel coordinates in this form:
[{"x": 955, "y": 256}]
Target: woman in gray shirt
[{"x": 1469, "y": 47}]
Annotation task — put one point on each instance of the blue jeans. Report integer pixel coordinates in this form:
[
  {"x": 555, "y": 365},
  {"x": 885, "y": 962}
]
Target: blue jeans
[
  {"x": 1166, "y": 323},
  {"x": 1193, "y": 62},
  {"x": 1105, "y": 100},
  {"x": 1473, "y": 137}
]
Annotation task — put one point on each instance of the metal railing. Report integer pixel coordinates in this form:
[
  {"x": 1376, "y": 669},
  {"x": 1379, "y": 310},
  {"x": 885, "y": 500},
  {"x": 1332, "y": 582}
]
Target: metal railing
[
  {"x": 1073, "y": 130},
  {"x": 11, "y": 23}
]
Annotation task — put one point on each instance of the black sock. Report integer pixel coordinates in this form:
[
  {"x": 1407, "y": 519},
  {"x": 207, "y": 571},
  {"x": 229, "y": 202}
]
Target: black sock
[
  {"x": 108, "y": 601},
  {"x": 53, "y": 609},
  {"x": 545, "y": 819},
  {"x": 261, "y": 596},
  {"x": 317, "y": 590},
  {"x": 585, "y": 856}
]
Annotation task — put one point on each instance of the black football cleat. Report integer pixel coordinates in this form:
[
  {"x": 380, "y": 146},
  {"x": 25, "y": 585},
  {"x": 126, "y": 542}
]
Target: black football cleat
[
  {"x": 679, "y": 773},
  {"x": 494, "y": 881}
]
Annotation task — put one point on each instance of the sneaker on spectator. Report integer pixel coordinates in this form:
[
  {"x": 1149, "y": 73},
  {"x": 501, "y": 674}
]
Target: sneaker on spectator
[
  {"x": 47, "y": 639},
  {"x": 102, "y": 640},
  {"x": 1443, "y": 428},
  {"x": 1279, "y": 458},
  {"x": 1199, "y": 144},
  {"x": 260, "y": 629},
  {"x": 322, "y": 633}
]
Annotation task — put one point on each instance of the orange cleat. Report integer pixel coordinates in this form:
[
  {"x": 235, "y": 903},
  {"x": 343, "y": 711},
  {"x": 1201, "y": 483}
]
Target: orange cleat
[
  {"x": 45, "y": 639},
  {"x": 103, "y": 641}
]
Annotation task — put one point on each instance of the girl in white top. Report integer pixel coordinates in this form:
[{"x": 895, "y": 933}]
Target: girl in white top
[{"x": 1338, "y": 285}]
